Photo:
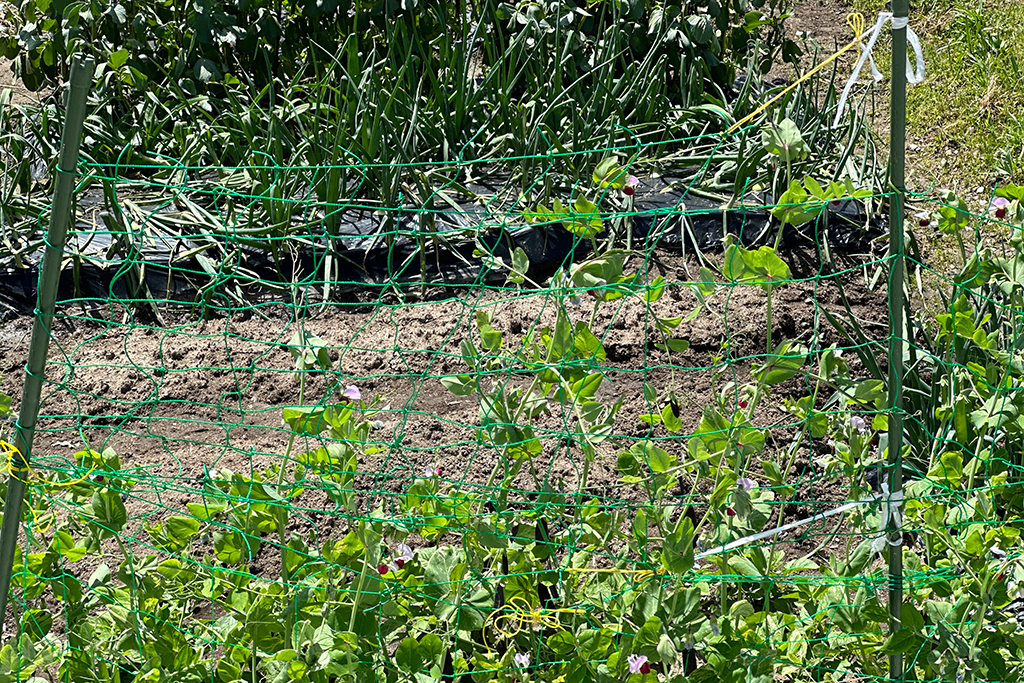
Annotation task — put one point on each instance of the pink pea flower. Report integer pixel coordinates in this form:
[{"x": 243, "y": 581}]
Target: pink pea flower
[
  {"x": 351, "y": 393},
  {"x": 404, "y": 554},
  {"x": 859, "y": 424},
  {"x": 638, "y": 664},
  {"x": 999, "y": 206},
  {"x": 630, "y": 187},
  {"x": 746, "y": 483}
]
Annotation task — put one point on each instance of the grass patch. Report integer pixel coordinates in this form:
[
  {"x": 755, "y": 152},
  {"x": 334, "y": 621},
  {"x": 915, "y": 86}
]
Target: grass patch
[{"x": 966, "y": 121}]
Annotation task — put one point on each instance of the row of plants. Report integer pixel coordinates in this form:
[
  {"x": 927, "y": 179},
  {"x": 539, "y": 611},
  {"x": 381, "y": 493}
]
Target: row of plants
[
  {"x": 511, "y": 580},
  {"x": 288, "y": 230},
  {"x": 281, "y": 124},
  {"x": 382, "y": 84}
]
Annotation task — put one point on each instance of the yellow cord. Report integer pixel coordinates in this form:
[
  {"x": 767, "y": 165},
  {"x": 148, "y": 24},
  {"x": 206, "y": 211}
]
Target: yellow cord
[
  {"x": 9, "y": 467},
  {"x": 10, "y": 451},
  {"x": 639, "y": 574},
  {"x": 510, "y": 619},
  {"x": 25, "y": 472},
  {"x": 855, "y": 20}
]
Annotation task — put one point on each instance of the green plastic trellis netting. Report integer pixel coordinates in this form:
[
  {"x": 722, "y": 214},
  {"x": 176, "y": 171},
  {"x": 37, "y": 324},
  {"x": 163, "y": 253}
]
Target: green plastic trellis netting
[{"x": 461, "y": 437}]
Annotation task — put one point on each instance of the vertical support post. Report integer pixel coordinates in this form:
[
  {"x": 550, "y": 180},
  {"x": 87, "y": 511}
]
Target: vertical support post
[
  {"x": 82, "y": 70},
  {"x": 897, "y": 327}
]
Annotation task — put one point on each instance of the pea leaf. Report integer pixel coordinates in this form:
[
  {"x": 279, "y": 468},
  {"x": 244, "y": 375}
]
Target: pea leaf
[
  {"x": 785, "y": 142},
  {"x": 901, "y": 642},
  {"x": 561, "y": 643},
  {"x": 677, "y": 549},
  {"x": 787, "y": 361},
  {"x": 650, "y": 632},
  {"x": 407, "y": 656},
  {"x": 430, "y": 648},
  {"x": 490, "y": 339},
  {"x": 520, "y": 266},
  {"x": 586, "y": 219},
  {"x": 954, "y": 214},
  {"x": 608, "y": 173},
  {"x": 744, "y": 567},
  {"x": 181, "y": 529},
  {"x": 674, "y": 345},
  {"x": 762, "y": 267},
  {"x": 108, "y": 512},
  {"x": 118, "y": 59},
  {"x": 460, "y": 385},
  {"x": 949, "y": 469},
  {"x": 700, "y": 29},
  {"x": 305, "y": 419},
  {"x": 670, "y": 419},
  {"x": 658, "y": 459}
]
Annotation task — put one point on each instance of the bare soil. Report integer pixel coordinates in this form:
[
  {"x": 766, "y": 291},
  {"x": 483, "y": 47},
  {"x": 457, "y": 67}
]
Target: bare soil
[{"x": 208, "y": 394}]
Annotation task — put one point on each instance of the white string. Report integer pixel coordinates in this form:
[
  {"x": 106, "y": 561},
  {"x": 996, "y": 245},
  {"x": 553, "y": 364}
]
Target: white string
[
  {"x": 914, "y": 75},
  {"x": 747, "y": 540},
  {"x": 890, "y": 509}
]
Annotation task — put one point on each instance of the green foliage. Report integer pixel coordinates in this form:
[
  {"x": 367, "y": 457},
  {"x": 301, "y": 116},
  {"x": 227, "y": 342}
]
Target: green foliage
[
  {"x": 785, "y": 142},
  {"x": 685, "y": 576},
  {"x": 582, "y": 219},
  {"x": 761, "y": 267},
  {"x": 608, "y": 173},
  {"x": 801, "y": 204},
  {"x": 581, "y": 579},
  {"x": 222, "y": 79}
]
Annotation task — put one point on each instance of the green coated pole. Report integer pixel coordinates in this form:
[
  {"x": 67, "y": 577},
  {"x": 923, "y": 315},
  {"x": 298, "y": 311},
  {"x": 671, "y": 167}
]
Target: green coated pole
[
  {"x": 82, "y": 71},
  {"x": 897, "y": 172}
]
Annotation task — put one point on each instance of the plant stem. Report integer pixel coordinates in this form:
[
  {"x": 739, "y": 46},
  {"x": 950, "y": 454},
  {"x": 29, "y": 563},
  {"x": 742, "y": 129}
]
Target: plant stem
[
  {"x": 282, "y": 512},
  {"x": 133, "y": 596},
  {"x": 359, "y": 595},
  {"x": 979, "y": 616},
  {"x": 291, "y": 438},
  {"x": 583, "y": 479},
  {"x": 519, "y": 413},
  {"x": 359, "y": 590},
  {"x": 593, "y": 314}
]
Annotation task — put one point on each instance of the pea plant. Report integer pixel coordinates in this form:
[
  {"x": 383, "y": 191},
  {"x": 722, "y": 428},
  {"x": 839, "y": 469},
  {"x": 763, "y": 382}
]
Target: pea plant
[{"x": 691, "y": 572}]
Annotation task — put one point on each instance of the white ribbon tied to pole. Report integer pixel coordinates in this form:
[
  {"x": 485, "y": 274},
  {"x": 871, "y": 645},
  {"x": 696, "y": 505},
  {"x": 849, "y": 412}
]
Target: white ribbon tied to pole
[
  {"x": 914, "y": 75},
  {"x": 890, "y": 509}
]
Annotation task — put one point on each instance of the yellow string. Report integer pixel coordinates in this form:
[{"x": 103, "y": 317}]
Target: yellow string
[
  {"x": 640, "y": 574},
  {"x": 10, "y": 451},
  {"x": 855, "y": 20},
  {"x": 510, "y": 619},
  {"x": 12, "y": 454},
  {"x": 10, "y": 468}
]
